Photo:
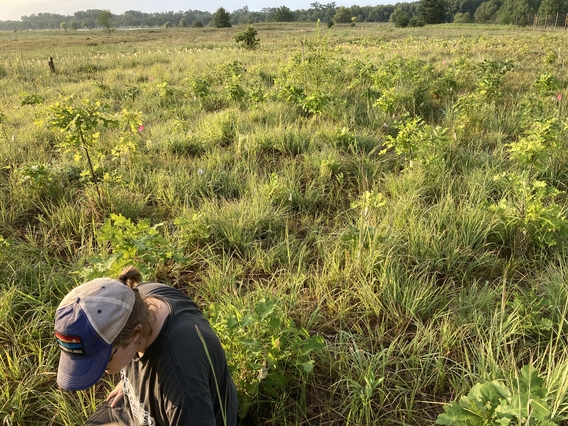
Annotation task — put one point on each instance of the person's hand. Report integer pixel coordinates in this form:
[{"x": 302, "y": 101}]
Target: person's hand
[{"x": 116, "y": 394}]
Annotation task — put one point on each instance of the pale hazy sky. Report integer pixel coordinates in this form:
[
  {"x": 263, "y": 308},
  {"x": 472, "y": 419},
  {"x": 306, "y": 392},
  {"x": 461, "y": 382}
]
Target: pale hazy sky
[{"x": 14, "y": 9}]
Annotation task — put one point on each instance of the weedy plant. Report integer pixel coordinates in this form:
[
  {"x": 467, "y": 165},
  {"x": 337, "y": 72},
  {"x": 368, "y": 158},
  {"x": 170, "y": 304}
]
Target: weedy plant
[
  {"x": 82, "y": 127},
  {"x": 490, "y": 74},
  {"x": 530, "y": 217},
  {"x": 141, "y": 244},
  {"x": 268, "y": 354},
  {"x": 247, "y": 39},
  {"x": 522, "y": 402}
]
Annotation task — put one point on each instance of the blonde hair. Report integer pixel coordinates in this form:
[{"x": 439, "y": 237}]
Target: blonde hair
[{"x": 140, "y": 315}]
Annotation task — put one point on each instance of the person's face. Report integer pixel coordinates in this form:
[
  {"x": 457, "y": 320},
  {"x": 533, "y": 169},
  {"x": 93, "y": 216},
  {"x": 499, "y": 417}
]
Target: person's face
[{"x": 122, "y": 356}]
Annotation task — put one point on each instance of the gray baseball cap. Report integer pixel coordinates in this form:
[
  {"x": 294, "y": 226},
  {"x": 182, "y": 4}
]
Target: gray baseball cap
[{"x": 87, "y": 322}]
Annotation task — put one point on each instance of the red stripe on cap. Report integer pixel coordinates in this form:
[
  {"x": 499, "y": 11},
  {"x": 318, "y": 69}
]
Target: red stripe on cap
[{"x": 68, "y": 339}]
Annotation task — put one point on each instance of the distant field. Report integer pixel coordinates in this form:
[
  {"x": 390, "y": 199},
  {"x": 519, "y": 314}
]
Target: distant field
[{"x": 372, "y": 218}]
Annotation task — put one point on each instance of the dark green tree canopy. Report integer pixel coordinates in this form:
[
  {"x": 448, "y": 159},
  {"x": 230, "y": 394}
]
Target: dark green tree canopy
[
  {"x": 551, "y": 7},
  {"x": 433, "y": 11},
  {"x": 343, "y": 15},
  {"x": 221, "y": 18},
  {"x": 418, "y": 12},
  {"x": 283, "y": 14},
  {"x": 462, "y": 6}
]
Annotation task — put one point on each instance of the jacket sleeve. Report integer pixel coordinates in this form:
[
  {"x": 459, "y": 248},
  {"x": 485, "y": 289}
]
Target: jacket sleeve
[{"x": 195, "y": 411}]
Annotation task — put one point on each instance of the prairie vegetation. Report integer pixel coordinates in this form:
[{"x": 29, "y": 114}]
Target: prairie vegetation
[{"x": 373, "y": 218}]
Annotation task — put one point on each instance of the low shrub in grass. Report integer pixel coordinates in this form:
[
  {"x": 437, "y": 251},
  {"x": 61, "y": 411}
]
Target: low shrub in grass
[{"x": 268, "y": 354}]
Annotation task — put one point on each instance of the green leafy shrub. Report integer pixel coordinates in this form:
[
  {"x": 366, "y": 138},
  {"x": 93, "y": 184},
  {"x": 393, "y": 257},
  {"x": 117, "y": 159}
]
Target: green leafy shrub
[
  {"x": 490, "y": 75},
  {"x": 82, "y": 126},
  {"x": 30, "y": 99},
  {"x": 257, "y": 94},
  {"x": 417, "y": 140},
  {"x": 308, "y": 105},
  {"x": 534, "y": 149},
  {"x": 232, "y": 69},
  {"x": 247, "y": 39},
  {"x": 234, "y": 89},
  {"x": 400, "y": 19},
  {"x": 495, "y": 403},
  {"x": 129, "y": 243},
  {"x": 199, "y": 87},
  {"x": 408, "y": 86},
  {"x": 266, "y": 351},
  {"x": 36, "y": 175},
  {"x": 528, "y": 216},
  {"x": 546, "y": 84}
]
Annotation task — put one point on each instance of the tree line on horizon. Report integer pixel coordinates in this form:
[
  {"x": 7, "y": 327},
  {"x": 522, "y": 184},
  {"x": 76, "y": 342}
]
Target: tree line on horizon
[{"x": 402, "y": 14}]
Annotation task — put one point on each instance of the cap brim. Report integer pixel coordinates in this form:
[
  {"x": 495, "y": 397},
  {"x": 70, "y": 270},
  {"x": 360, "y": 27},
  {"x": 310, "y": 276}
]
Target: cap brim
[{"x": 78, "y": 372}]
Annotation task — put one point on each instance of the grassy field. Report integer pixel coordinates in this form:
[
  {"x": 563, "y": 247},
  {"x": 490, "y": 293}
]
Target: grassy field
[{"x": 372, "y": 218}]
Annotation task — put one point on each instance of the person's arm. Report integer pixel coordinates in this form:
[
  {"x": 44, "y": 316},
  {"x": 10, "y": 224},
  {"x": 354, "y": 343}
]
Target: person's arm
[{"x": 196, "y": 411}]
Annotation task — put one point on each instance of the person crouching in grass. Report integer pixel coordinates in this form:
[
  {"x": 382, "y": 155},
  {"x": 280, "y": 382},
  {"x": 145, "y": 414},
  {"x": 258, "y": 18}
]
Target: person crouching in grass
[{"x": 172, "y": 366}]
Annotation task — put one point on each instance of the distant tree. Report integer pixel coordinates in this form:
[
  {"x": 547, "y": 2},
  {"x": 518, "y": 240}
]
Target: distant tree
[
  {"x": 512, "y": 10},
  {"x": 506, "y": 13},
  {"x": 402, "y": 13},
  {"x": 551, "y": 7},
  {"x": 105, "y": 21},
  {"x": 380, "y": 13},
  {"x": 73, "y": 25},
  {"x": 128, "y": 20},
  {"x": 462, "y": 18},
  {"x": 433, "y": 11},
  {"x": 64, "y": 26},
  {"x": 342, "y": 15},
  {"x": 182, "y": 23},
  {"x": 360, "y": 13},
  {"x": 221, "y": 18},
  {"x": 283, "y": 14},
  {"x": 416, "y": 21},
  {"x": 88, "y": 18},
  {"x": 486, "y": 12},
  {"x": 400, "y": 19},
  {"x": 167, "y": 24},
  {"x": 323, "y": 12},
  {"x": 241, "y": 16},
  {"x": 462, "y": 6},
  {"x": 196, "y": 24}
]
